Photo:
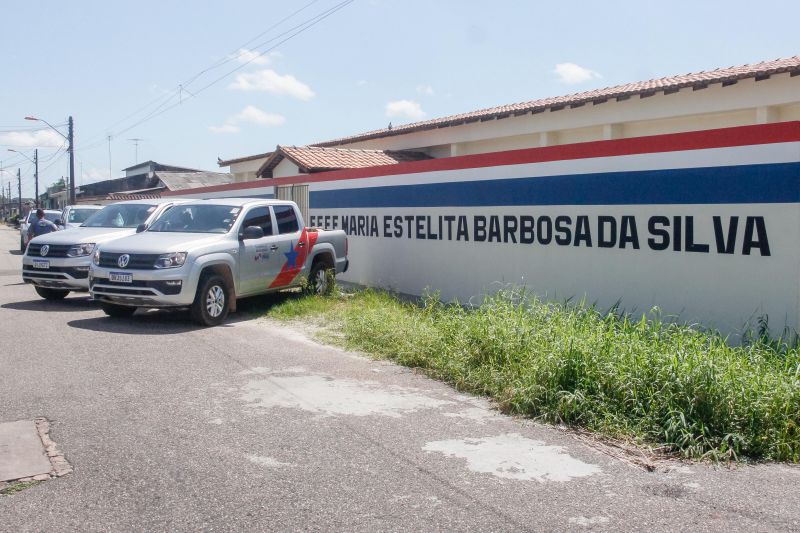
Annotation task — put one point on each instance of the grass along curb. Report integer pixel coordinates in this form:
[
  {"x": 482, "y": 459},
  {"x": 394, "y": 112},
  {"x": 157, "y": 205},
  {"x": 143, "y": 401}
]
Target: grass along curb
[{"x": 662, "y": 384}]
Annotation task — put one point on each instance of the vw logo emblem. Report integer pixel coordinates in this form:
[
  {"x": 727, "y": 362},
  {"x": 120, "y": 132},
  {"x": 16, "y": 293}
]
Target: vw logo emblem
[
  {"x": 123, "y": 260},
  {"x": 44, "y": 249}
]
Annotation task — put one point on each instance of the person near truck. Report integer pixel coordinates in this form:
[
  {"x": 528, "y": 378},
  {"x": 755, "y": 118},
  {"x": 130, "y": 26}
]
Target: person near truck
[{"x": 40, "y": 226}]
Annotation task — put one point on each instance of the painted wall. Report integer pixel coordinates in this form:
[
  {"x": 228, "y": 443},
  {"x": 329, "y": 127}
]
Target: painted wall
[{"x": 704, "y": 225}]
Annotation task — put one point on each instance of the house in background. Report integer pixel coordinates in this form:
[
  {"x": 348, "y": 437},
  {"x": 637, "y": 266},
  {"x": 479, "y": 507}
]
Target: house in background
[{"x": 148, "y": 180}]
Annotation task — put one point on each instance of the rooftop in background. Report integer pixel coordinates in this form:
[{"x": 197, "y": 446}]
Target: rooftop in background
[
  {"x": 178, "y": 181},
  {"x": 152, "y": 166},
  {"x": 671, "y": 84},
  {"x": 311, "y": 159},
  {"x": 229, "y": 162}
]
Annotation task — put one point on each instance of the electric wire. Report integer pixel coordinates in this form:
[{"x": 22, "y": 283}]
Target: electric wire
[
  {"x": 182, "y": 86},
  {"x": 308, "y": 25}
]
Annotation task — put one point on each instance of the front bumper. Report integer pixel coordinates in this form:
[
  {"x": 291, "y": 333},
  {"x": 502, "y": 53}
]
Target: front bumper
[
  {"x": 70, "y": 273},
  {"x": 148, "y": 288}
]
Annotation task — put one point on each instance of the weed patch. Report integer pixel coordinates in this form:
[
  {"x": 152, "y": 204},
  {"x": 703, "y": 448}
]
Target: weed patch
[{"x": 659, "y": 383}]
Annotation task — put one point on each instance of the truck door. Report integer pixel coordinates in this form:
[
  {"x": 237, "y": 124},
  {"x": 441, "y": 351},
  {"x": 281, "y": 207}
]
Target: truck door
[
  {"x": 260, "y": 260},
  {"x": 292, "y": 246}
]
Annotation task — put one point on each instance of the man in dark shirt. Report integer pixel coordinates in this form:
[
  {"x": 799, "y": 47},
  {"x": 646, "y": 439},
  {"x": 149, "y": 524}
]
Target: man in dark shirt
[{"x": 40, "y": 226}]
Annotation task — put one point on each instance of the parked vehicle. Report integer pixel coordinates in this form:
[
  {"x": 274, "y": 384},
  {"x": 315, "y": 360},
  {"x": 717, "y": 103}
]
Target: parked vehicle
[
  {"x": 57, "y": 263},
  {"x": 25, "y": 222},
  {"x": 73, "y": 216},
  {"x": 205, "y": 254}
]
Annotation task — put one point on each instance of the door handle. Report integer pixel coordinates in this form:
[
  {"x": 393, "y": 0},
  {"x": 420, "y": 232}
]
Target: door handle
[
  {"x": 273, "y": 247},
  {"x": 301, "y": 244}
]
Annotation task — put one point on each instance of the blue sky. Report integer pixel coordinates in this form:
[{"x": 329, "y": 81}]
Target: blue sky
[{"x": 371, "y": 62}]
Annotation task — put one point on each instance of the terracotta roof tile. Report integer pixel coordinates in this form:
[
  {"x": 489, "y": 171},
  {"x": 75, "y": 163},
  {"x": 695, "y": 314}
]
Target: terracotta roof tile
[
  {"x": 669, "y": 84},
  {"x": 318, "y": 159}
]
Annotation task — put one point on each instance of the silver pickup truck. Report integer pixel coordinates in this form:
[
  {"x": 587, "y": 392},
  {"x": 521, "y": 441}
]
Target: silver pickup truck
[
  {"x": 205, "y": 254},
  {"x": 58, "y": 262}
]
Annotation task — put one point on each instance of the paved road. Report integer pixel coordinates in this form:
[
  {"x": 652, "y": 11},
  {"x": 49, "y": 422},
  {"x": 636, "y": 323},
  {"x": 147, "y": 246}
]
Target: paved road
[{"x": 253, "y": 426}]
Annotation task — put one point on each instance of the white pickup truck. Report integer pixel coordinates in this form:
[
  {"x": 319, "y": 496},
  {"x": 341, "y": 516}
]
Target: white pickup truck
[
  {"x": 58, "y": 262},
  {"x": 205, "y": 254}
]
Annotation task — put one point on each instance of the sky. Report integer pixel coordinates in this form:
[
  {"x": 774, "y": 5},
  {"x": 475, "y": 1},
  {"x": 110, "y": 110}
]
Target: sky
[{"x": 201, "y": 80}]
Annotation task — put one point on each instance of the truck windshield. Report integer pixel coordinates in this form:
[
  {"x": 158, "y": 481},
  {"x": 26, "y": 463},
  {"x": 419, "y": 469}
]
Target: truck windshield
[
  {"x": 52, "y": 217},
  {"x": 120, "y": 216},
  {"x": 197, "y": 219},
  {"x": 76, "y": 216}
]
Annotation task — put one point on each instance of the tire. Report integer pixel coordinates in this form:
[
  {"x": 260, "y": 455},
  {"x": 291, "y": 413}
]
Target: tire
[
  {"x": 319, "y": 279},
  {"x": 22, "y": 245},
  {"x": 211, "y": 304},
  {"x": 51, "y": 294},
  {"x": 117, "y": 311}
]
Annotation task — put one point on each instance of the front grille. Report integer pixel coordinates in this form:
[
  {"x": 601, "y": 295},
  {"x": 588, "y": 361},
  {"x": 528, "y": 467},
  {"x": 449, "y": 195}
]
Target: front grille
[
  {"x": 134, "y": 287},
  {"x": 56, "y": 250},
  {"x": 55, "y": 272},
  {"x": 136, "y": 262}
]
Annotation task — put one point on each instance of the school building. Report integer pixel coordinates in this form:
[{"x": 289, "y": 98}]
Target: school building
[{"x": 681, "y": 193}]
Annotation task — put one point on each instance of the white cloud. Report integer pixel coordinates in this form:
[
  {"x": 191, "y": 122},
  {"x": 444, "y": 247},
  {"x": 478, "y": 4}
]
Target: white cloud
[
  {"x": 250, "y": 56},
  {"x": 248, "y": 115},
  {"x": 93, "y": 174},
  {"x": 270, "y": 81},
  {"x": 31, "y": 139},
  {"x": 254, "y": 115},
  {"x": 426, "y": 90},
  {"x": 225, "y": 128},
  {"x": 407, "y": 109},
  {"x": 571, "y": 73},
  {"x": 361, "y": 83}
]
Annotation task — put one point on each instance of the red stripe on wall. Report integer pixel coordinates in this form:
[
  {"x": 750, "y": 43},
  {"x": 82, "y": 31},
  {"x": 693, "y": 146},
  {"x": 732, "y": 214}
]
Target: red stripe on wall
[{"x": 672, "y": 142}]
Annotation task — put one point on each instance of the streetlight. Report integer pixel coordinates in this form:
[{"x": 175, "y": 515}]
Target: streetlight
[
  {"x": 70, "y": 149},
  {"x": 35, "y": 162}
]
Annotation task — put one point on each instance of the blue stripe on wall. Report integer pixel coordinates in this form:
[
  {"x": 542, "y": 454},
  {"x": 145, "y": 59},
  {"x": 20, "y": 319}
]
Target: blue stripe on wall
[{"x": 745, "y": 184}]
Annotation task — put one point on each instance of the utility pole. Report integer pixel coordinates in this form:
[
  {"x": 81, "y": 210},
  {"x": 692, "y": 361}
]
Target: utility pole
[
  {"x": 36, "y": 176},
  {"x": 19, "y": 188},
  {"x": 71, "y": 140}
]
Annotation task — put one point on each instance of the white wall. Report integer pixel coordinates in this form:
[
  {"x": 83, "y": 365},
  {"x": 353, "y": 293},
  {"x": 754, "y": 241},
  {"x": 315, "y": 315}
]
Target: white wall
[{"x": 246, "y": 170}]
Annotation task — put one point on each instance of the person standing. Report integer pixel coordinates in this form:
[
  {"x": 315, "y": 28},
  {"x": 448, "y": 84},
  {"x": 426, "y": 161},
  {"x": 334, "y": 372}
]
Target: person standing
[{"x": 40, "y": 226}]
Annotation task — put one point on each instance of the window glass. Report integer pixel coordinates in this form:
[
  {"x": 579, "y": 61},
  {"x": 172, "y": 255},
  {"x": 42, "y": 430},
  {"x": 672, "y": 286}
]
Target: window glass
[
  {"x": 120, "y": 216},
  {"x": 204, "y": 218},
  {"x": 286, "y": 218},
  {"x": 52, "y": 217},
  {"x": 80, "y": 215},
  {"x": 259, "y": 217}
]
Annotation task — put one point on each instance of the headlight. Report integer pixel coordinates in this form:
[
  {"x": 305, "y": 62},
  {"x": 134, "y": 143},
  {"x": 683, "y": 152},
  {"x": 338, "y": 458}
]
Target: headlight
[
  {"x": 96, "y": 257},
  {"x": 80, "y": 250},
  {"x": 173, "y": 260}
]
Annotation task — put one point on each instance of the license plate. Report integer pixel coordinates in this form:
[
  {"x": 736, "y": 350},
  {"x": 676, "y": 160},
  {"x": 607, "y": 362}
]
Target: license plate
[
  {"x": 120, "y": 277},
  {"x": 40, "y": 263}
]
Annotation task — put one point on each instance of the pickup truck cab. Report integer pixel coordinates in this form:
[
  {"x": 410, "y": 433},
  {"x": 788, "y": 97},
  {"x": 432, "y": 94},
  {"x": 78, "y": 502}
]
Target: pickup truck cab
[
  {"x": 72, "y": 216},
  {"x": 58, "y": 262},
  {"x": 205, "y": 254}
]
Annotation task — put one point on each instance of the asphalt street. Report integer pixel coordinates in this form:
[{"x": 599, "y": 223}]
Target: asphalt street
[{"x": 254, "y": 426}]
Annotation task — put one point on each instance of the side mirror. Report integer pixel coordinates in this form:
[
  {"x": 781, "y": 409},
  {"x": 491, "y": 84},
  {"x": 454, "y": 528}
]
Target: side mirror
[
  {"x": 59, "y": 222},
  {"x": 141, "y": 227},
  {"x": 252, "y": 232}
]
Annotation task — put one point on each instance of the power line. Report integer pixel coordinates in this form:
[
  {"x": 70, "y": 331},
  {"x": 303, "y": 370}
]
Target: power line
[
  {"x": 308, "y": 25},
  {"x": 182, "y": 86}
]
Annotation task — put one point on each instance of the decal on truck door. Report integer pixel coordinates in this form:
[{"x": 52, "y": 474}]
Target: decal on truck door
[{"x": 295, "y": 259}]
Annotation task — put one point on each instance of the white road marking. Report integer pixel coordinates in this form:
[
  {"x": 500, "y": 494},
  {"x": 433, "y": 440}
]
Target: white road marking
[{"x": 513, "y": 456}]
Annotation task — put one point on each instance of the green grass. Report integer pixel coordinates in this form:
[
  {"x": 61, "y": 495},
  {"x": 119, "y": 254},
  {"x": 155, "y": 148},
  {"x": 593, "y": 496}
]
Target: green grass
[
  {"x": 657, "y": 383},
  {"x": 17, "y": 487}
]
